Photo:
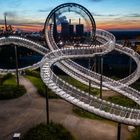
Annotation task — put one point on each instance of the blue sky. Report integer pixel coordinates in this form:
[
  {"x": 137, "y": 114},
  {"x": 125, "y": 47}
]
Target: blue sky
[{"x": 108, "y": 14}]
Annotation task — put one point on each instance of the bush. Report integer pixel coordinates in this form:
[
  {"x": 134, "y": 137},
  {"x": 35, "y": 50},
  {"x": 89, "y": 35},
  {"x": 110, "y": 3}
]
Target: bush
[
  {"x": 48, "y": 132},
  {"x": 32, "y": 73},
  {"x": 1, "y": 80},
  {"x": 11, "y": 91},
  {"x": 10, "y": 81},
  {"x": 136, "y": 134},
  {"x": 5, "y": 77}
]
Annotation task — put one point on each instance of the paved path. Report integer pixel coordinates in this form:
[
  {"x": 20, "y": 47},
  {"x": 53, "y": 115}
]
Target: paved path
[{"x": 18, "y": 115}]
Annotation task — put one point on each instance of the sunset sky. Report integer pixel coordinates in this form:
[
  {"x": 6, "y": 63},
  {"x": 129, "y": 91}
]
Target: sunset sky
[{"x": 30, "y": 15}]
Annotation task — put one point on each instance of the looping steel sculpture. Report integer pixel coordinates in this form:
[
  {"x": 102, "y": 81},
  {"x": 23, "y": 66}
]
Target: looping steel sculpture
[{"x": 61, "y": 58}]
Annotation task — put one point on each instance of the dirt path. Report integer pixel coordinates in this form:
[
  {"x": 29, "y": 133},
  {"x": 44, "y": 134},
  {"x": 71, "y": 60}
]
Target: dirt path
[
  {"x": 107, "y": 93},
  {"x": 18, "y": 115}
]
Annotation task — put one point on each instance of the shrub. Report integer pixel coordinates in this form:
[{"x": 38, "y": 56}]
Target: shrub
[
  {"x": 1, "y": 80},
  {"x": 48, "y": 132},
  {"x": 32, "y": 73},
  {"x": 136, "y": 134},
  {"x": 11, "y": 91},
  {"x": 7, "y": 76}
]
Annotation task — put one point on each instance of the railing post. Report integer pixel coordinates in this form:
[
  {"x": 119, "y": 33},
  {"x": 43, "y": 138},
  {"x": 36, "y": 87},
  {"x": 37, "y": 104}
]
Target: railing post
[
  {"x": 16, "y": 58},
  {"x": 101, "y": 73},
  {"x": 89, "y": 89},
  {"x": 47, "y": 106},
  {"x": 119, "y": 131}
]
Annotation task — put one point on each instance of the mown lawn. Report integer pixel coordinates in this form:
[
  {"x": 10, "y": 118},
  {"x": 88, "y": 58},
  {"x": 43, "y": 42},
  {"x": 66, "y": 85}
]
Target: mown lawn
[
  {"x": 122, "y": 100},
  {"x": 79, "y": 85},
  {"x": 41, "y": 88},
  {"x": 10, "y": 81},
  {"x": 9, "y": 88}
]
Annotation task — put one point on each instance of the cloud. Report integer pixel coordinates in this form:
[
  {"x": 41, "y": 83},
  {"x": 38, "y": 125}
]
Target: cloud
[
  {"x": 61, "y": 19},
  {"x": 105, "y": 15},
  {"x": 134, "y": 15},
  {"x": 23, "y": 21},
  {"x": 96, "y": 0},
  {"x": 10, "y": 14},
  {"x": 45, "y": 10}
]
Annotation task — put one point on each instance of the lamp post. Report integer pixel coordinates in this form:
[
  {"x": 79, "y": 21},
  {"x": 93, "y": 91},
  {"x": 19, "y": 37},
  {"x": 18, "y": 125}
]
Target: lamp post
[
  {"x": 47, "y": 106},
  {"x": 16, "y": 58},
  {"x": 101, "y": 73},
  {"x": 94, "y": 66},
  {"x": 119, "y": 132},
  {"x": 89, "y": 89}
]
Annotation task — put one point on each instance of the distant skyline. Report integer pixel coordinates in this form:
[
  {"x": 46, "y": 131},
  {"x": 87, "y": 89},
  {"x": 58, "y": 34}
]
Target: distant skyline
[{"x": 30, "y": 15}]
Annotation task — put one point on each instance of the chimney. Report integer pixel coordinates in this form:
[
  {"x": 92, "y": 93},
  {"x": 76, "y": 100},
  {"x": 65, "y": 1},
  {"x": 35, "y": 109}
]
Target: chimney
[
  {"x": 79, "y": 21},
  {"x": 69, "y": 21},
  {"x": 5, "y": 22}
]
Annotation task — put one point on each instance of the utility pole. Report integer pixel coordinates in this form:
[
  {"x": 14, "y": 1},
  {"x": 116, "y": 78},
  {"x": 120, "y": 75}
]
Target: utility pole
[{"x": 5, "y": 22}]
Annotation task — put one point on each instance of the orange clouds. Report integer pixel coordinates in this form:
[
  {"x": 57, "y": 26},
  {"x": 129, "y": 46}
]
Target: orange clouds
[
  {"x": 119, "y": 24},
  {"x": 107, "y": 25},
  {"x": 33, "y": 28}
]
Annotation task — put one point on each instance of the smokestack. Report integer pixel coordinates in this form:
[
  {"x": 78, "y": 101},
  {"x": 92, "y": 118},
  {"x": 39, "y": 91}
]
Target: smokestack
[
  {"x": 79, "y": 21},
  {"x": 5, "y": 22},
  {"x": 69, "y": 21}
]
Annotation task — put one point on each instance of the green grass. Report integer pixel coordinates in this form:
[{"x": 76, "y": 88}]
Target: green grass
[
  {"x": 11, "y": 91},
  {"x": 38, "y": 83},
  {"x": 33, "y": 73},
  {"x": 122, "y": 100},
  {"x": 10, "y": 81},
  {"x": 41, "y": 88},
  {"x": 115, "y": 78},
  {"x": 85, "y": 114},
  {"x": 79, "y": 85},
  {"x": 9, "y": 88},
  {"x": 7, "y": 79},
  {"x": 48, "y": 132},
  {"x": 34, "y": 77}
]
